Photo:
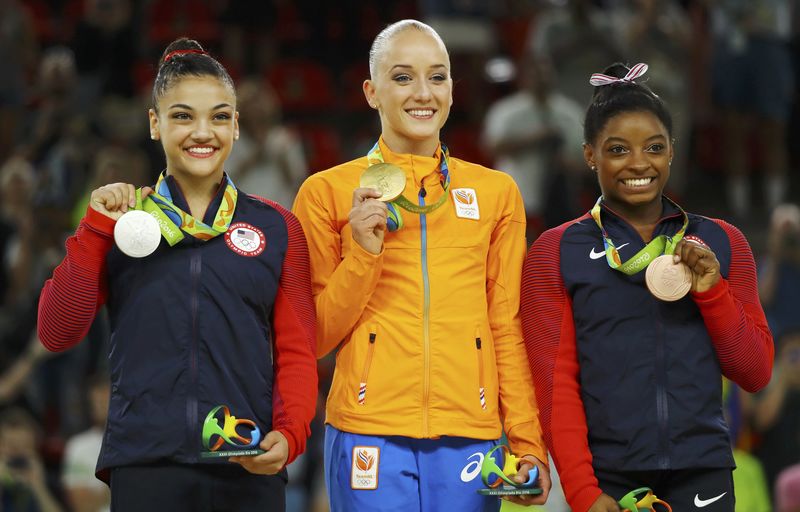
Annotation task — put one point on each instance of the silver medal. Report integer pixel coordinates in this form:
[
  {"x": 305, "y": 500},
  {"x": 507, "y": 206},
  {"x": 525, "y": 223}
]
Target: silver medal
[{"x": 137, "y": 234}]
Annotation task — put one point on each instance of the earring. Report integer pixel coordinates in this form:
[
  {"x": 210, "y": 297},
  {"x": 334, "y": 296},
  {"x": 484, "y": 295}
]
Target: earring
[{"x": 594, "y": 167}]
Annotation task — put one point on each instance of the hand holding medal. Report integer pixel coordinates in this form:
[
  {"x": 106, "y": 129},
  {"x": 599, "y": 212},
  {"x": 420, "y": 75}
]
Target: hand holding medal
[
  {"x": 136, "y": 232},
  {"x": 701, "y": 262}
]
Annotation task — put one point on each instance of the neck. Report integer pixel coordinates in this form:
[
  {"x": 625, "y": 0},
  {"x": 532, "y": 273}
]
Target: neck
[
  {"x": 412, "y": 147},
  {"x": 643, "y": 217},
  {"x": 198, "y": 193}
]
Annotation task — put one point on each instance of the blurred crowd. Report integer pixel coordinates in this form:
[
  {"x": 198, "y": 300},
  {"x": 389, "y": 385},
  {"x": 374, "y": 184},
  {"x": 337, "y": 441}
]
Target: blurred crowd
[{"x": 73, "y": 116}]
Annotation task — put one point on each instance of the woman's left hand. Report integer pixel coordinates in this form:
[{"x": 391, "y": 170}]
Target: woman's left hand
[
  {"x": 526, "y": 463},
  {"x": 277, "y": 448},
  {"x": 701, "y": 261}
]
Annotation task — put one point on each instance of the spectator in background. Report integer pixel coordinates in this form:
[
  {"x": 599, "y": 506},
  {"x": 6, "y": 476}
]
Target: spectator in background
[
  {"x": 18, "y": 53},
  {"x": 535, "y": 136},
  {"x": 111, "y": 165},
  {"x": 787, "y": 490},
  {"x": 779, "y": 271},
  {"x": 105, "y": 47},
  {"x": 56, "y": 145},
  {"x": 658, "y": 32},
  {"x": 575, "y": 36},
  {"x": 84, "y": 492},
  {"x": 776, "y": 411},
  {"x": 753, "y": 84},
  {"x": 23, "y": 483},
  {"x": 268, "y": 158}
]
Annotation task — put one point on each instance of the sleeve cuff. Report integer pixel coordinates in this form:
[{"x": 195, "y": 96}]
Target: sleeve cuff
[
  {"x": 715, "y": 292},
  {"x": 98, "y": 222},
  {"x": 294, "y": 449},
  {"x": 584, "y": 501}
]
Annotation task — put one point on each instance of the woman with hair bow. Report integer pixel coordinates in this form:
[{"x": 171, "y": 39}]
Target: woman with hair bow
[{"x": 632, "y": 313}]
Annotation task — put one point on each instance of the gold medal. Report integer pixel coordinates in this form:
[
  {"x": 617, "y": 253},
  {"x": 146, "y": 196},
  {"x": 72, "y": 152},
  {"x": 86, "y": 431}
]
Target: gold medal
[
  {"x": 668, "y": 280},
  {"x": 388, "y": 179}
]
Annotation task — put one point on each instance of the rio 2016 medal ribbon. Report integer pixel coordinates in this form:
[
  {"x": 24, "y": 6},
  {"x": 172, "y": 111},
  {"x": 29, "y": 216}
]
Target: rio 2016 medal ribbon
[
  {"x": 229, "y": 434},
  {"x": 137, "y": 234},
  {"x": 495, "y": 473},
  {"x": 668, "y": 280},
  {"x": 388, "y": 179},
  {"x": 642, "y": 499}
]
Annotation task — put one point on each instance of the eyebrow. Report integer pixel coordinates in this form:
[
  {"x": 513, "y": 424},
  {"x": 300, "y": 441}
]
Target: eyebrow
[
  {"x": 187, "y": 107},
  {"x": 408, "y": 66},
  {"x": 620, "y": 139}
]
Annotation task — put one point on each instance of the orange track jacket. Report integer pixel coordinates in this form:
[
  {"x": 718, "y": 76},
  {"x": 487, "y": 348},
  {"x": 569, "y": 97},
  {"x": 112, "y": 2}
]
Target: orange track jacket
[{"x": 428, "y": 332}]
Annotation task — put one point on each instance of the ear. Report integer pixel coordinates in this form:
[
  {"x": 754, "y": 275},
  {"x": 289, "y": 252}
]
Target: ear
[
  {"x": 236, "y": 125},
  {"x": 671, "y": 150},
  {"x": 155, "y": 133},
  {"x": 588, "y": 156},
  {"x": 369, "y": 93}
]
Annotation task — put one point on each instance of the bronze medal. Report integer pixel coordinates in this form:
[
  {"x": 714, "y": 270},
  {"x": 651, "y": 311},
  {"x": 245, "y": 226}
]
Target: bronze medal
[
  {"x": 667, "y": 280},
  {"x": 388, "y": 179}
]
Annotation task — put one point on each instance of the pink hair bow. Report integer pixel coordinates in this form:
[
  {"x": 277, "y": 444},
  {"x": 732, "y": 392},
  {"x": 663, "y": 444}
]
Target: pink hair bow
[{"x": 636, "y": 71}]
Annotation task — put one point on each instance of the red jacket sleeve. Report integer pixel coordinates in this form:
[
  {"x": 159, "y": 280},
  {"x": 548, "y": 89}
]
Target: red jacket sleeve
[
  {"x": 735, "y": 319},
  {"x": 294, "y": 323},
  {"x": 71, "y": 297},
  {"x": 549, "y": 333}
]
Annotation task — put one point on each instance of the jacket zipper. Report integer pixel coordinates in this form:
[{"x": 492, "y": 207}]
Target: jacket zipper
[
  {"x": 195, "y": 267},
  {"x": 481, "y": 388},
  {"x": 426, "y": 305},
  {"x": 662, "y": 407},
  {"x": 362, "y": 388}
]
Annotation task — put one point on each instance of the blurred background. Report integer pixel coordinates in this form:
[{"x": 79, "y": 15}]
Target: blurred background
[{"x": 74, "y": 93}]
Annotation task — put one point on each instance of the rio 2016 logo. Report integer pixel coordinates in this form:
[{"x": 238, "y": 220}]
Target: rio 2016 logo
[{"x": 228, "y": 434}]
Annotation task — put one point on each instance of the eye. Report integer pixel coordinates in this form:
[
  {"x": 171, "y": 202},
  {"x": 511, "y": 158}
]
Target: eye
[
  {"x": 402, "y": 78},
  {"x": 181, "y": 116},
  {"x": 222, "y": 116},
  {"x": 617, "y": 150},
  {"x": 656, "y": 148},
  {"x": 439, "y": 77}
]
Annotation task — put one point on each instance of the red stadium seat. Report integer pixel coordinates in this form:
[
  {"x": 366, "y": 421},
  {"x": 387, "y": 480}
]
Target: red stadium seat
[
  {"x": 302, "y": 85},
  {"x": 322, "y": 145}
]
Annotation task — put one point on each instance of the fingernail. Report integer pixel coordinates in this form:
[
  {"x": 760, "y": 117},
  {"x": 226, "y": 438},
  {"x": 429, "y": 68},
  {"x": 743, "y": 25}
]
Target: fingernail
[{"x": 676, "y": 258}]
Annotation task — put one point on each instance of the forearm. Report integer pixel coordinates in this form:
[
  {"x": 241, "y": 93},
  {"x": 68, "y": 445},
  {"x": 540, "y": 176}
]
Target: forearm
[
  {"x": 71, "y": 297},
  {"x": 346, "y": 294}
]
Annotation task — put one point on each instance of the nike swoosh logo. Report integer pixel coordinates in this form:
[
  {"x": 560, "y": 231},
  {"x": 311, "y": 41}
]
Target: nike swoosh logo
[
  {"x": 597, "y": 255},
  {"x": 704, "y": 503}
]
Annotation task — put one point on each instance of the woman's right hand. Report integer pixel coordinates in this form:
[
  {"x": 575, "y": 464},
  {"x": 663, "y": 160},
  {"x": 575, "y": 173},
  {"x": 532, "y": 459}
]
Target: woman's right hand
[
  {"x": 368, "y": 219},
  {"x": 605, "y": 503},
  {"x": 115, "y": 199}
]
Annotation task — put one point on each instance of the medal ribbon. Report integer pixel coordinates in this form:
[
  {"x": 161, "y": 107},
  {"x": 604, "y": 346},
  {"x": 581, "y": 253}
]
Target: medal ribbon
[
  {"x": 159, "y": 204},
  {"x": 662, "y": 244},
  {"x": 395, "y": 219}
]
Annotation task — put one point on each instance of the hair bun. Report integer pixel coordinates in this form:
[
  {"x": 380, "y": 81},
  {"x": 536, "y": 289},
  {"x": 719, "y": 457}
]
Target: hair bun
[{"x": 180, "y": 46}]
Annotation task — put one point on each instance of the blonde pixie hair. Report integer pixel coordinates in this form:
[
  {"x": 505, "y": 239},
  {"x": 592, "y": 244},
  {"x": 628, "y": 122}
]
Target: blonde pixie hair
[{"x": 382, "y": 41}]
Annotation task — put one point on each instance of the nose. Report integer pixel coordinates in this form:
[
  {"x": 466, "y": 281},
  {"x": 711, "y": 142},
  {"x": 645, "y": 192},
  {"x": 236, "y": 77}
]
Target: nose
[
  {"x": 639, "y": 161},
  {"x": 422, "y": 91},
  {"x": 201, "y": 131}
]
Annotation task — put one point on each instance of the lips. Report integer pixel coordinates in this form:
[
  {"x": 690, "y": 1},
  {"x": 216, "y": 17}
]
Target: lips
[
  {"x": 201, "y": 151},
  {"x": 421, "y": 113},
  {"x": 638, "y": 182}
]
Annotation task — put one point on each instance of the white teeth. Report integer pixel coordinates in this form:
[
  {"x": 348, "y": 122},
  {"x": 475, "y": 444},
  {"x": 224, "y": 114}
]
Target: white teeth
[
  {"x": 203, "y": 151},
  {"x": 421, "y": 112},
  {"x": 638, "y": 182}
]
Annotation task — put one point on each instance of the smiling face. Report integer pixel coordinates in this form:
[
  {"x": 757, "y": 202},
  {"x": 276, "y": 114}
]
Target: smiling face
[
  {"x": 412, "y": 91},
  {"x": 631, "y": 155},
  {"x": 196, "y": 122}
]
